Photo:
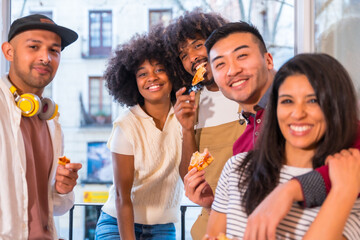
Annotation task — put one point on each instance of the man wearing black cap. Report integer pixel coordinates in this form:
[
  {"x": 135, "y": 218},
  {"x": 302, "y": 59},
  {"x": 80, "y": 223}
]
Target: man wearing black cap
[{"x": 33, "y": 186}]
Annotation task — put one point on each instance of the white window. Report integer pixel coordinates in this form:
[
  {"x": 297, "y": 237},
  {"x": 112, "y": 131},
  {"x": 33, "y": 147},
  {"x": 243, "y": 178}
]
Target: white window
[{"x": 337, "y": 33}]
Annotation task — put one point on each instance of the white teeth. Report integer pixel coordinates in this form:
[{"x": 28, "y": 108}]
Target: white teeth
[
  {"x": 300, "y": 128},
  {"x": 235, "y": 84},
  {"x": 153, "y": 87},
  {"x": 200, "y": 65}
]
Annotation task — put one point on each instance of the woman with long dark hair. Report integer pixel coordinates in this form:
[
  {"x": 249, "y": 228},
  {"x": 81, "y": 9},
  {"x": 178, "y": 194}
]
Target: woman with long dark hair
[{"x": 311, "y": 114}]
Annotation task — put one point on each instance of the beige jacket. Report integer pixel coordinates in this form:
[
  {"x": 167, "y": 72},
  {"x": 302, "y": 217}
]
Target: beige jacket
[{"x": 13, "y": 186}]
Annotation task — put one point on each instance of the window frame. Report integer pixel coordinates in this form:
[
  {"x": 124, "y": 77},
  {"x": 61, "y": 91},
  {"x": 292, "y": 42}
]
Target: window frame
[
  {"x": 304, "y": 26},
  {"x": 158, "y": 10},
  {"x": 101, "y": 104},
  {"x": 5, "y": 22},
  {"x": 47, "y": 13},
  {"x": 101, "y": 50}
]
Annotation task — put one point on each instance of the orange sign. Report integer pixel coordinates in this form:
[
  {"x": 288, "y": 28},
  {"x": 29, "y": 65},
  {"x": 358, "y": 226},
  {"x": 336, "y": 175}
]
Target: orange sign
[{"x": 96, "y": 196}]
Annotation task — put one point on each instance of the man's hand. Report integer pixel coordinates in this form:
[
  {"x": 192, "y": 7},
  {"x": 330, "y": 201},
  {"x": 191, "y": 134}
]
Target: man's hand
[
  {"x": 344, "y": 170},
  {"x": 197, "y": 189},
  {"x": 263, "y": 221},
  {"x": 65, "y": 179},
  {"x": 185, "y": 108}
]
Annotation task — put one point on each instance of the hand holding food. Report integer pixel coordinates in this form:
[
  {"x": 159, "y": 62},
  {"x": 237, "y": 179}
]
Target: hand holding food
[
  {"x": 200, "y": 160},
  {"x": 66, "y": 175}
]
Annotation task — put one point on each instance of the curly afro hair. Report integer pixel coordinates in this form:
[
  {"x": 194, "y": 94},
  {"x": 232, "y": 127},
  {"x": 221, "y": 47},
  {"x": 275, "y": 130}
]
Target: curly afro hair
[
  {"x": 189, "y": 26},
  {"x": 120, "y": 73}
]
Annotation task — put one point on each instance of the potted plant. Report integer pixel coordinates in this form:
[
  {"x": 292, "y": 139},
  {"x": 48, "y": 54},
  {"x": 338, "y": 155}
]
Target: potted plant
[{"x": 100, "y": 117}]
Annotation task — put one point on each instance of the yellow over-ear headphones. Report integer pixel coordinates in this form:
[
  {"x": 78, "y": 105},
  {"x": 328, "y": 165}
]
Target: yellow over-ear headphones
[{"x": 31, "y": 105}]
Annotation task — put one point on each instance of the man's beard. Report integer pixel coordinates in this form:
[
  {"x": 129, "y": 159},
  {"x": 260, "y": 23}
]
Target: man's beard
[{"x": 208, "y": 82}]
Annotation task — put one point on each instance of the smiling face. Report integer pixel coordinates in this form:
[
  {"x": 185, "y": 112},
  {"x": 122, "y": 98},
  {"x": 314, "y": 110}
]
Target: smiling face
[
  {"x": 34, "y": 57},
  {"x": 301, "y": 120},
  {"x": 192, "y": 53},
  {"x": 153, "y": 82},
  {"x": 239, "y": 68}
]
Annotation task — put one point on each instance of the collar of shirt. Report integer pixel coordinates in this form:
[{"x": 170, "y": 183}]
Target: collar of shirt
[
  {"x": 138, "y": 111},
  {"x": 244, "y": 116}
]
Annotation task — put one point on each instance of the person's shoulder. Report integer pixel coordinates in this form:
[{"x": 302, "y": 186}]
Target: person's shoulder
[
  {"x": 5, "y": 108},
  {"x": 2, "y": 88},
  {"x": 239, "y": 158},
  {"x": 235, "y": 161},
  {"x": 123, "y": 115},
  {"x": 131, "y": 116},
  {"x": 3, "y": 95},
  {"x": 356, "y": 143}
]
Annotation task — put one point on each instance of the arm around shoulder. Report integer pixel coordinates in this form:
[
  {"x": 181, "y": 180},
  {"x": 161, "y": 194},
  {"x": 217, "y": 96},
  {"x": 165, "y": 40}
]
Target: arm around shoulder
[{"x": 344, "y": 172}]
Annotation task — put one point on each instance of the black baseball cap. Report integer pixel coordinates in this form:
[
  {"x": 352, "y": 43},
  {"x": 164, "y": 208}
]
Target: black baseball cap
[{"x": 38, "y": 21}]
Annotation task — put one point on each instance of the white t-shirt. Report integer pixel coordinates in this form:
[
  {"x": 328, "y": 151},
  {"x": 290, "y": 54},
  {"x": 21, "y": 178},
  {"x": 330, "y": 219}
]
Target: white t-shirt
[
  {"x": 119, "y": 144},
  {"x": 293, "y": 226},
  {"x": 215, "y": 109}
]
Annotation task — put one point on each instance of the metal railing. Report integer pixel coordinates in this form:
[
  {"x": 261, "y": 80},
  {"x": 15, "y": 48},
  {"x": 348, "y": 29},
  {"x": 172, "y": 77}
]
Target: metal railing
[{"x": 98, "y": 206}]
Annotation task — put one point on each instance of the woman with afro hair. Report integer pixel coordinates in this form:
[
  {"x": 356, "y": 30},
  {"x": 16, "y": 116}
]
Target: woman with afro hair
[{"x": 145, "y": 143}]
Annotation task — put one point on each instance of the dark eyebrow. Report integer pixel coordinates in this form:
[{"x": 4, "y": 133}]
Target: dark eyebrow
[
  {"x": 284, "y": 95},
  {"x": 185, "y": 46},
  {"x": 57, "y": 45},
  {"x": 137, "y": 70},
  {"x": 38, "y": 41},
  {"x": 33, "y": 40},
  {"x": 192, "y": 43},
  {"x": 240, "y": 47},
  {"x": 290, "y": 96},
  {"x": 236, "y": 49},
  {"x": 216, "y": 58}
]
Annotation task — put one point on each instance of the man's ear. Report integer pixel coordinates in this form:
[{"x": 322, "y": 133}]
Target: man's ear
[
  {"x": 8, "y": 51},
  {"x": 269, "y": 60}
]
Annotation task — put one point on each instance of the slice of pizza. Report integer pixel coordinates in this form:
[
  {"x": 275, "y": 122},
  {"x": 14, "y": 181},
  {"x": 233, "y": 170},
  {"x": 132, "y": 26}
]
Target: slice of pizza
[
  {"x": 200, "y": 160},
  {"x": 199, "y": 75},
  {"x": 63, "y": 160}
]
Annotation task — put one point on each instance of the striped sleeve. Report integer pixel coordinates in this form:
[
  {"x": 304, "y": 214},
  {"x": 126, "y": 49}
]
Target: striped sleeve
[
  {"x": 221, "y": 193},
  {"x": 352, "y": 226}
]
